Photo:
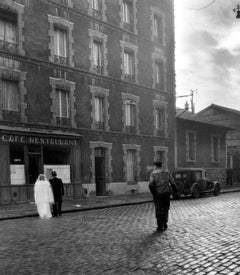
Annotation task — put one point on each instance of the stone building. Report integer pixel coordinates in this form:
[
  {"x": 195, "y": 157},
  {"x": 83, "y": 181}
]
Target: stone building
[
  {"x": 230, "y": 118},
  {"x": 201, "y": 144},
  {"x": 87, "y": 88}
]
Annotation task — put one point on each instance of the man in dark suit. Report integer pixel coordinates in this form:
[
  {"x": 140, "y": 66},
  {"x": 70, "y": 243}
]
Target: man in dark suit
[
  {"x": 159, "y": 185},
  {"x": 58, "y": 192}
]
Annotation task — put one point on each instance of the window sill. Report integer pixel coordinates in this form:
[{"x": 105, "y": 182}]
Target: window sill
[
  {"x": 191, "y": 161},
  {"x": 63, "y": 121}
]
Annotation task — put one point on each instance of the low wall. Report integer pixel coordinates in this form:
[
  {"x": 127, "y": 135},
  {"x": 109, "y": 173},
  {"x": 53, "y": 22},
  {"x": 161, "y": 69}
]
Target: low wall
[
  {"x": 118, "y": 188},
  {"x": 217, "y": 174}
]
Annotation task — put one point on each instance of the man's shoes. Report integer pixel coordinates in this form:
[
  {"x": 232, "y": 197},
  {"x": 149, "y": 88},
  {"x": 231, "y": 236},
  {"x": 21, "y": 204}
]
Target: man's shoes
[
  {"x": 159, "y": 229},
  {"x": 165, "y": 226}
]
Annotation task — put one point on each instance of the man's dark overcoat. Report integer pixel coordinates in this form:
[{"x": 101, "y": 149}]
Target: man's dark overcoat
[{"x": 57, "y": 187}]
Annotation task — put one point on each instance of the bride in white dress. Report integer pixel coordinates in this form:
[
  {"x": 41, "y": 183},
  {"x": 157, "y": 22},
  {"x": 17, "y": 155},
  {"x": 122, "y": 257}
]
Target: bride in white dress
[{"x": 43, "y": 196}]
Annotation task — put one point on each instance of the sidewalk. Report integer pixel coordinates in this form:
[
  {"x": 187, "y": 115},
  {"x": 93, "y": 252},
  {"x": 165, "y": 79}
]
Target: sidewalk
[{"x": 16, "y": 211}]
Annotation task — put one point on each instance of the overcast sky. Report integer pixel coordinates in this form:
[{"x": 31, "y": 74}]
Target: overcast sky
[{"x": 208, "y": 52}]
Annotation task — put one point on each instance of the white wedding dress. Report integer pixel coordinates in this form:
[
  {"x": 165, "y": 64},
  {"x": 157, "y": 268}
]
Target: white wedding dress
[{"x": 43, "y": 196}]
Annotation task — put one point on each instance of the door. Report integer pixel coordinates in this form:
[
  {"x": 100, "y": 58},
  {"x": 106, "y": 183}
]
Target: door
[
  {"x": 100, "y": 173},
  {"x": 34, "y": 161}
]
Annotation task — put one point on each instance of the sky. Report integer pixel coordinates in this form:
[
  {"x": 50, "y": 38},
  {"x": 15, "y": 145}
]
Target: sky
[{"x": 207, "y": 53}]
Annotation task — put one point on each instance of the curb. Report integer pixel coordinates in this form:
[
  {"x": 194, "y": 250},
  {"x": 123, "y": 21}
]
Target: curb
[{"x": 90, "y": 208}]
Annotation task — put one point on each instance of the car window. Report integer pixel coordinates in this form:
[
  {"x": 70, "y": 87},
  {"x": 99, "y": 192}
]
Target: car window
[
  {"x": 184, "y": 175},
  {"x": 204, "y": 174},
  {"x": 177, "y": 176},
  {"x": 197, "y": 175}
]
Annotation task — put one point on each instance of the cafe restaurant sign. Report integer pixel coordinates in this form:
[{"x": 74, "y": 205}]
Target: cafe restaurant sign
[{"x": 38, "y": 140}]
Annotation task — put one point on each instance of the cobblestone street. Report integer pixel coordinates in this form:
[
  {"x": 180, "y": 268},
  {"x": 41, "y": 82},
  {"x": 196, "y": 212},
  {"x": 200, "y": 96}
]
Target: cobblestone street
[{"x": 203, "y": 238}]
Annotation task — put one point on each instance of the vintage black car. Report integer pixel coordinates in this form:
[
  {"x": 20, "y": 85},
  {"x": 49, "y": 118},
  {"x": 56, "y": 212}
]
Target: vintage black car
[{"x": 193, "y": 181}]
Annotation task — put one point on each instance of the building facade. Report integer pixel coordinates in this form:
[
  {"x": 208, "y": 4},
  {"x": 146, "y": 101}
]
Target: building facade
[
  {"x": 230, "y": 118},
  {"x": 201, "y": 144},
  {"x": 87, "y": 88}
]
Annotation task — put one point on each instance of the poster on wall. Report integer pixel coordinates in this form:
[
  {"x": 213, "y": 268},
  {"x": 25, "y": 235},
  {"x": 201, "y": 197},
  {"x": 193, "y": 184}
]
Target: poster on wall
[
  {"x": 63, "y": 172},
  {"x": 17, "y": 174}
]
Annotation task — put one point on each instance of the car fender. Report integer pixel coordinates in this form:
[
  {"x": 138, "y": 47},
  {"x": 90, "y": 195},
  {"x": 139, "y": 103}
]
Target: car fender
[{"x": 215, "y": 183}]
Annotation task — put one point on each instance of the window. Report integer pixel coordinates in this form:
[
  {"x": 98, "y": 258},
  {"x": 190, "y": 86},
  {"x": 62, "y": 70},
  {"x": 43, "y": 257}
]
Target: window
[
  {"x": 97, "y": 57},
  {"x": 10, "y": 95},
  {"x": 215, "y": 148},
  {"x": 158, "y": 71},
  {"x": 63, "y": 108},
  {"x": 128, "y": 65},
  {"x": 98, "y": 53},
  {"x": 100, "y": 105},
  {"x": 130, "y": 165},
  {"x": 160, "y": 118},
  {"x": 61, "y": 40},
  {"x": 126, "y": 12},
  {"x": 96, "y": 6},
  {"x": 161, "y": 153},
  {"x": 160, "y": 121},
  {"x": 132, "y": 159},
  {"x": 128, "y": 15},
  {"x": 62, "y": 98},
  {"x": 130, "y": 111},
  {"x": 99, "y": 112},
  {"x": 8, "y": 32},
  {"x": 60, "y": 46},
  {"x": 97, "y": 9},
  {"x": 191, "y": 146},
  {"x": 159, "y": 75},
  {"x": 64, "y": 2},
  {"x": 130, "y": 115},
  {"x": 158, "y": 29}
]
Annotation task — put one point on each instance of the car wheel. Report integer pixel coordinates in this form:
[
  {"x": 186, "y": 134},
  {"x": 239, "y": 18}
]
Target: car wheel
[
  {"x": 196, "y": 192},
  {"x": 216, "y": 190},
  {"x": 176, "y": 195}
]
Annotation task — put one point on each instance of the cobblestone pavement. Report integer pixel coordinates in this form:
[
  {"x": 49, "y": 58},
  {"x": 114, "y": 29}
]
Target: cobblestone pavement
[{"x": 203, "y": 238}]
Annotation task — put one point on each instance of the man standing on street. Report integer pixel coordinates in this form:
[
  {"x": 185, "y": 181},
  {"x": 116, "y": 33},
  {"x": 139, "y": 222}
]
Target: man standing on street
[
  {"x": 58, "y": 192},
  {"x": 159, "y": 185}
]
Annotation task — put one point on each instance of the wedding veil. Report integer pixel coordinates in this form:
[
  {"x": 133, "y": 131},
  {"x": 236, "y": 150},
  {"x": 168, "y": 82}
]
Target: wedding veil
[{"x": 43, "y": 190}]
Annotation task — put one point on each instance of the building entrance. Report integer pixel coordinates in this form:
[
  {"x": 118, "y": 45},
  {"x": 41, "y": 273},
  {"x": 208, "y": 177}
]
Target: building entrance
[
  {"x": 33, "y": 168},
  {"x": 100, "y": 173}
]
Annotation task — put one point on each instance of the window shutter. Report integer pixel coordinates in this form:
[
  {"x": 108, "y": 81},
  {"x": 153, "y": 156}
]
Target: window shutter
[{"x": 130, "y": 165}]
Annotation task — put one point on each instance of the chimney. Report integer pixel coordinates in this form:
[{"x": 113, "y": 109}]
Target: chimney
[{"x": 186, "y": 106}]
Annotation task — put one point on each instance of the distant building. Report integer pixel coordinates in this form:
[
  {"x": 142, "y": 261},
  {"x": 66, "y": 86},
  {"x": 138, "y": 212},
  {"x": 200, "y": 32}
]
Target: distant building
[
  {"x": 230, "y": 118},
  {"x": 87, "y": 88},
  {"x": 201, "y": 144}
]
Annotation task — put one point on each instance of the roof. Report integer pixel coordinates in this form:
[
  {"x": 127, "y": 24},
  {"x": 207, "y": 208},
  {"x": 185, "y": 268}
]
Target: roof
[
  {"x": 214, "y": 106},
  {"x": 189, "y": 169},
  {"x": 186, "y": 115}
]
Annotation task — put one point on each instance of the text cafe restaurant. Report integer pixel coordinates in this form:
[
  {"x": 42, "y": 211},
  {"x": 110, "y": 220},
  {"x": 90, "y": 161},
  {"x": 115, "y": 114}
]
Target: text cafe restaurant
[{"x": 26, "y": 154}]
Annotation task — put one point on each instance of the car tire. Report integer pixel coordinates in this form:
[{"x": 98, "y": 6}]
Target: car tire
[
  {"x": 176, "y": 195},
  {"x": 216, "y": 190},
  {"x": 196, "y": 192}
]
